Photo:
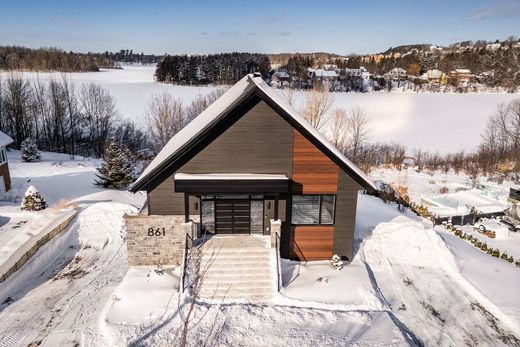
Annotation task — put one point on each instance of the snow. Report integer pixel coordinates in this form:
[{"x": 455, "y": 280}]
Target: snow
[
  {"x": 417, "y": 120},
  {"x": 143, "y": 293},
  {"x": 229, "y": 176},
  {"x": 4, "y": 139},
  {"x": 132, "y": 87},
  {"x": 17, "y": 240}
]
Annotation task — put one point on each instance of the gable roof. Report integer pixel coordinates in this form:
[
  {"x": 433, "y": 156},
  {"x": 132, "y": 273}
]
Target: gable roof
[
  {"x": 239, "y": 99},
  {"x": 5, "y": 139}
]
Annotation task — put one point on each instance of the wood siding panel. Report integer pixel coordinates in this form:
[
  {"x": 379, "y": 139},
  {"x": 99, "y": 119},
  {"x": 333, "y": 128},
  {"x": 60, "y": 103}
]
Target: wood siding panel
[
  {"x": 313, "y": 171},
  {"x": 4, "y": 172},
  {"x": 260, "y": 142},
  {"x": 311, "y": 242},
  {"x": 346, "y": 204}
]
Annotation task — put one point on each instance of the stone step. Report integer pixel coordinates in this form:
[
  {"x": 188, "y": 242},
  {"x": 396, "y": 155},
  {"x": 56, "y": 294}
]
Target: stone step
[
  {"x": 240, "y": 297},
  {"x": 238, "y": 280},
  {"x": 222, "y": 271},
  {"x": 235, "y": 291},
  {"x": 238, "y": 252},
  {"x": 227, "y": 277},
  {"x": 267, "y": 261},
  {"x": 226, "y": 266}
]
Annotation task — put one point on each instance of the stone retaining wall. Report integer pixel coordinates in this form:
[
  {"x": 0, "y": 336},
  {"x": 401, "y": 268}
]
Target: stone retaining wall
[
  {"x": 38, "y": 244},
  {"x": 154, "y": 239}
]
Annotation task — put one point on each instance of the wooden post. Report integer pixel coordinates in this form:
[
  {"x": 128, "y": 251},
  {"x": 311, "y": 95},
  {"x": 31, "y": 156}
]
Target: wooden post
[
  {"x": 276, "y": 202},
  {"x": 186, "y": 208}
]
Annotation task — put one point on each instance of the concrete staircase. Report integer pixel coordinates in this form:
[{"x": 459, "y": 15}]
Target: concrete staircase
[{"x": 239, "y": 267}]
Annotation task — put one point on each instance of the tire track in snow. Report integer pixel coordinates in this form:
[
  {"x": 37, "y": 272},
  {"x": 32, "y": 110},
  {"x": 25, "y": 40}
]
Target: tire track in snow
[
  {"x": 66, "y": 307},
  {"x": 418, "y": 279}
]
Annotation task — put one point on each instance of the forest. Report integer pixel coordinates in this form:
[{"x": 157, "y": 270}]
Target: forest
[
  {"x": 51, "y": 59},
  {"x": 225, "y": 68}
]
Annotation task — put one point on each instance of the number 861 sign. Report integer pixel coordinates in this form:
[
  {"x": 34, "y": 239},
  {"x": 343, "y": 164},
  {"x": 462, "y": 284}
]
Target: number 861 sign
[{"x": 156, "y": 232}]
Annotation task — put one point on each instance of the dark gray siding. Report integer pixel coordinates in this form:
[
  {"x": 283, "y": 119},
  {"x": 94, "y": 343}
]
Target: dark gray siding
[
  {"x": 260, "y": 142},
  {"x": 346, "y": 202}
]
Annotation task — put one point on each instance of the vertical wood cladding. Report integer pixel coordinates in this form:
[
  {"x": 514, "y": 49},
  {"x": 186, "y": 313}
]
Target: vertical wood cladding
[
  {"x": 313, "y": 171},
  {"x": 4, "y": 174},
  {"x": 311, "y": 242},
  {"x": 346, "y": 203},
  {"x": 259, "y": 142}
]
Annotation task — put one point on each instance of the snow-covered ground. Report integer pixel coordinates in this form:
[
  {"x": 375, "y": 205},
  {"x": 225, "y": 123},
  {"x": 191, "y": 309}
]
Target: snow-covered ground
[
  {"x": 407, "y": 284},
  {"x": 434, "y": 122}
]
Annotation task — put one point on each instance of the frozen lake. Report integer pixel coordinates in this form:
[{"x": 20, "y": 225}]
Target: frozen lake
[{"x": 429, "y": 121}]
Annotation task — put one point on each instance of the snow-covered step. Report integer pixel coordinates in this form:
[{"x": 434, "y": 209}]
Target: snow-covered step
[
  {"x": 234, "y": 277},
  {"x": 241, "y": 267}
]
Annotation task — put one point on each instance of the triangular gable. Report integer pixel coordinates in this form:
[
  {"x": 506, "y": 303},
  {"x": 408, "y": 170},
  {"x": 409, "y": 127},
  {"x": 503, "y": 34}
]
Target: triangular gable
[{"x": 222, "y": 114}]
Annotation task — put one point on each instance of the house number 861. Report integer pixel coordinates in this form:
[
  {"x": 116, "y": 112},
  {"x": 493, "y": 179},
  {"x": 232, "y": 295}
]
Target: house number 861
[{"x": 156, "y": 232}]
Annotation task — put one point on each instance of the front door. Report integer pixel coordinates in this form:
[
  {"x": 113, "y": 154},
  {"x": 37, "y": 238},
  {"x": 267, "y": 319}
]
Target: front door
[{"x": 232, "y": 216}]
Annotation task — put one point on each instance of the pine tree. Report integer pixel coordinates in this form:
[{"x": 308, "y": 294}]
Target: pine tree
[
  {"x": 117, "y": 169},
  {"x": 29, "y": 151},
  {"x": 33, "y": 200}
]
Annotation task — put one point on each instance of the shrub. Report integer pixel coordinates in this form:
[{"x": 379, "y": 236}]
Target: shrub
[
  {"x": 29, "y": 151},
  {"x": 33, "y": 200}
]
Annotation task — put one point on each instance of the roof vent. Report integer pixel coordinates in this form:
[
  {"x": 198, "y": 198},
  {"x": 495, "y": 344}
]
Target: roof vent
[{"x": 257, "y": 74}]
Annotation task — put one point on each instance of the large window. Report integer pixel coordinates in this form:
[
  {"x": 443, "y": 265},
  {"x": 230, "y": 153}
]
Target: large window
[{"x": 313, "y": 209}]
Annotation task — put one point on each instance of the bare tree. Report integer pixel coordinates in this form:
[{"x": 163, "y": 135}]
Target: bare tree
[
  {"x": 290, "y": 95},
  {"x": 317, "y": 103},
  {"x": 165, "y": 118},
  {"x": 339, "y": 129},
  {"x": 100, "y": 112},
  {"x": 358, "y": 129},
  {"x": 16, "y": 105},
  {"x": 202, "y": 102}
]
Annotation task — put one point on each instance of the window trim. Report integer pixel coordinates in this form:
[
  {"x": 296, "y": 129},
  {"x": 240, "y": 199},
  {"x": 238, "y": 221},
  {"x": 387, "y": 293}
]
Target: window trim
[{"x": 319, "y": 212}]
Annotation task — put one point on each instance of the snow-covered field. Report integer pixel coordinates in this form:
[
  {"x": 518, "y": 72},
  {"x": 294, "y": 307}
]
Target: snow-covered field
[{"x": 434, "y": 122}]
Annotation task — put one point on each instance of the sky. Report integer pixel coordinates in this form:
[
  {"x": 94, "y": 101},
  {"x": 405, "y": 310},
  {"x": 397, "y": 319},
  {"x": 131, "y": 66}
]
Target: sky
[{"x": 270, "y": 26}]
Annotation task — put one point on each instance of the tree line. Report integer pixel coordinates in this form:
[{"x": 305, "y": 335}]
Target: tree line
[
  {"x": 225, "y": 68},
  {"x": 61, "y": 116},
  {"x": 51, "y": 59}
]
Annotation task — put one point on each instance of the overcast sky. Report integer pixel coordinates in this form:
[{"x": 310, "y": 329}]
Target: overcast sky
[{"x": 191, "y": 26}]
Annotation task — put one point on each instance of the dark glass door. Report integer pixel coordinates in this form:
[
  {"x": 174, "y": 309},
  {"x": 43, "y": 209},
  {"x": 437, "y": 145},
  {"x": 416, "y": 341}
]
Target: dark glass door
[{"x": 232, "y": 216}]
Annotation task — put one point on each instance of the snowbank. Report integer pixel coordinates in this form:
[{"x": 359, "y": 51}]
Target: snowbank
[{"x": 144, "y": 294}]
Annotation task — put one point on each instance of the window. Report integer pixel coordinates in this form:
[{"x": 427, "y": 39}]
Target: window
[
  {"x": 313, "y": 209},
  {"x": 3, "y": 155}
]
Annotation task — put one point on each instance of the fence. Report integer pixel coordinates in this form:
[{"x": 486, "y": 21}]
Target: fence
[{"x": 465, "y": 219}]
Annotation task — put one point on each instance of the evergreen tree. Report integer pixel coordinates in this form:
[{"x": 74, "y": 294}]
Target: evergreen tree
[
  {"x": 33, "y": 200},
  {"x": 117, "y": 169},
  {"x": 29, "y": 151}
]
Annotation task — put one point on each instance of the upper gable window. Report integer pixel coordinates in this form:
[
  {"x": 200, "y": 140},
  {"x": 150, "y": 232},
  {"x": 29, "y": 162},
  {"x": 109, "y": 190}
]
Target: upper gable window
[{"x": 3, "y": 155}]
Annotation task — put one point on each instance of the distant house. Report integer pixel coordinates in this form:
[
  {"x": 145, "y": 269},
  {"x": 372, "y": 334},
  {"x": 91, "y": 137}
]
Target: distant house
[
  {"x": 462, "y": 75},
  {"x": 5, "y": 177},
  {"x": 434, "y": 76},
  {"x": 321, "y": 77},
  {"x": 358, "y": 79},
  {"x": 279, "y": 78},
  {"x": 396, "y": 74}
]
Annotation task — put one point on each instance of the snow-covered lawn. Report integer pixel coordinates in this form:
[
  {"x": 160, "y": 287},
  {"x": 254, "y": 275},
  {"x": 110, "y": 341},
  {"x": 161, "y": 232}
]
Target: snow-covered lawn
[{"x": 408, "y": 283}]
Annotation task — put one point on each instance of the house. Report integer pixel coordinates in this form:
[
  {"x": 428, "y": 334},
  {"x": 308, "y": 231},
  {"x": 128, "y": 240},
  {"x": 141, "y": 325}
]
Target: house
[
  {"x": 321, "y": 77},
  {"x": 279, "y": 78},
  {"x": 434, "y": 76},
  {"x": 396, "y": 74},
  {"x": 461, "y": 75},
  {"x": 5, "y": 177},
  {"x": 248, "y": 165}
]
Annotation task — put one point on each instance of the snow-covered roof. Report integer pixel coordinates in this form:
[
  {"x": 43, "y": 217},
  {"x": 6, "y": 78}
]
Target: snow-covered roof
[
  {"x": 5, "y": 140},
  {"x": 247, "y": 86},
  {"x": 325, "y": 73},
  {"x": 229, "y": 176}
]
